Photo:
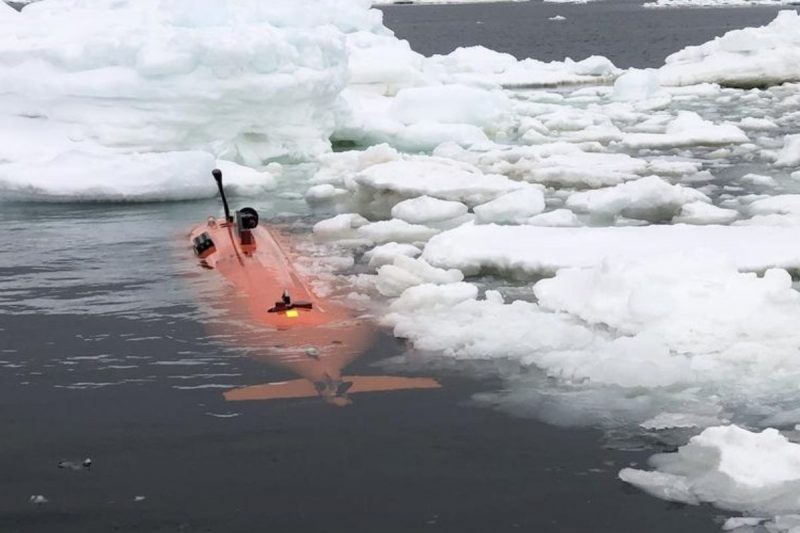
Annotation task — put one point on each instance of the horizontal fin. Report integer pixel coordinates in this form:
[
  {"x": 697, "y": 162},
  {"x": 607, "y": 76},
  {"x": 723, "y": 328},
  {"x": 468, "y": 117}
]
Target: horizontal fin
[{"x": 303, "y": 388}]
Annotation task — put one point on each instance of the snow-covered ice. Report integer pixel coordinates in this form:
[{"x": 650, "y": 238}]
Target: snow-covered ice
[
  {"x": 535, "y": 250},
  {"x": 750, "y": 57},
  {"x": 729, "y": 467}
]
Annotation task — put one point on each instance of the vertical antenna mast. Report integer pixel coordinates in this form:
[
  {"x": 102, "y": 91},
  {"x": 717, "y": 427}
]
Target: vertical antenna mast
[{"x": 217, "y": 173}]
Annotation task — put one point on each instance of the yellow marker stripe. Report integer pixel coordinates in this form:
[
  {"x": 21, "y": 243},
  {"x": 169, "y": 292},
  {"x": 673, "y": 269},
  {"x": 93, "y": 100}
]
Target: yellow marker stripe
[{"x": 292, "y": 313}]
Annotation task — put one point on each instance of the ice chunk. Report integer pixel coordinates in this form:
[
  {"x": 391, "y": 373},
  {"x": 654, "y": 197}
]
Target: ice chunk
[
  {"x": 705, "y": 213},
  {"x": 426, "y": 136},
  {"x": 324, "y": 193},
  {"x": 449, "y": 319},
  {"x": 395, "y": 230},
  {"x": 535, "y": 250},
  {"x": 790, "y": 153},
  {"x": 431, "y": 296},
  {"x": 557, "y": 218},
  {"x": 782, "y": 204},
  {"x": 407, "y": 272},
  {"x": 636, "y": 84},
  {"x": 437, "y": 177},
  {"x": 169, "y": 76},
  {"x": 514, "y": 207},
  {"x": 385, "y": 254},
  {"x": 664, "y": 421},
  {"x": 342, "y": 226},
  {"x": 729, "y": 467},
  {"x": 757, "y": 124},
  {"x": 452, "y": 104},
  {"x": 649, "y": 198},
  {"x": 750, "y": 57},
  {"x": 695, "y": 303},
  {"x": 426, "y": 209},
  {"x": 688, "y": 129},
  {"x": 477, "y": 64},
  {"x": 102, "y": 175}
]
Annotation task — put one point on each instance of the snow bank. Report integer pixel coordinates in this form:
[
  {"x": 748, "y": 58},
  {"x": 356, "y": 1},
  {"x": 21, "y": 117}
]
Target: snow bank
[
  {"x": 534, "y": 250},
  {"x": 729, "y": 467},
  {"x": 750, "y": 57}
]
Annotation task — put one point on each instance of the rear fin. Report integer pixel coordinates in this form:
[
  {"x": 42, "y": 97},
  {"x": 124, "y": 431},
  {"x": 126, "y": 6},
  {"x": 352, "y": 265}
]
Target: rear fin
[
  {"x": 303, "y": 388},
  {"x": 295, "y": 388}
]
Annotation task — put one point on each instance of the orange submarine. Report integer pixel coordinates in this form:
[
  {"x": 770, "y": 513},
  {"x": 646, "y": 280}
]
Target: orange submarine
[{"x": 270, "y": 309}]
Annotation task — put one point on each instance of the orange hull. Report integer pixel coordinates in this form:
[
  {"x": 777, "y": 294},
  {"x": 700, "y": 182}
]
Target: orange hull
[{"x": 272, "y": 311}]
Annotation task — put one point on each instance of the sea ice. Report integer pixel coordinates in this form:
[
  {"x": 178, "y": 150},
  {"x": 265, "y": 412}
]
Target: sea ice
[
  {"x": 534, "y": 250},
  {"x": 749, "y": 57},
  {"x": 425, "y": 209},
  {"x": 649, "y": 198},
  {"x": 513, "y": 207},
  {"x": 688, "y": 129},
  {"x": 729, "y": 467},
  {"x": 705, "y": 213},
  {"x": 790, "y": 153}
]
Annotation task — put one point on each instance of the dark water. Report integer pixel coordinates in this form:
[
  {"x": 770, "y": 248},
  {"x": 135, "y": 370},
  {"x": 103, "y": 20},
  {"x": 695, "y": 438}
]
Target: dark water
[{"x": 623, "y": 31}]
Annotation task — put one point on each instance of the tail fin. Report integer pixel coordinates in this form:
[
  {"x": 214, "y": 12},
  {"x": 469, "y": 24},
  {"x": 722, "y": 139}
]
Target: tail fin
[{"x": 303, "y": 388}]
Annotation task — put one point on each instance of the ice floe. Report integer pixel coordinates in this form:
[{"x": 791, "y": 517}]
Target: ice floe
[
  {"x": 535, "y": 250},
  {"x": 750, "y": 57},
  {"x": 731, "y": 468}
]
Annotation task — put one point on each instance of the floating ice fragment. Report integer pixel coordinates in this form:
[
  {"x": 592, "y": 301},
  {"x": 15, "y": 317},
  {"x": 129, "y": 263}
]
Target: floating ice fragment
[
  {"x": 729, "y": 467},
  {"x": 705, "y": 213},
  {"x": 513, "y": 208},
  {"x": 749, "y": 57}
]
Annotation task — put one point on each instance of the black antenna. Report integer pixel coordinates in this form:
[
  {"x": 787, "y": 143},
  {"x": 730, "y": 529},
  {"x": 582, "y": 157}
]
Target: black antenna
[{"x": 217, "y": 173}]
